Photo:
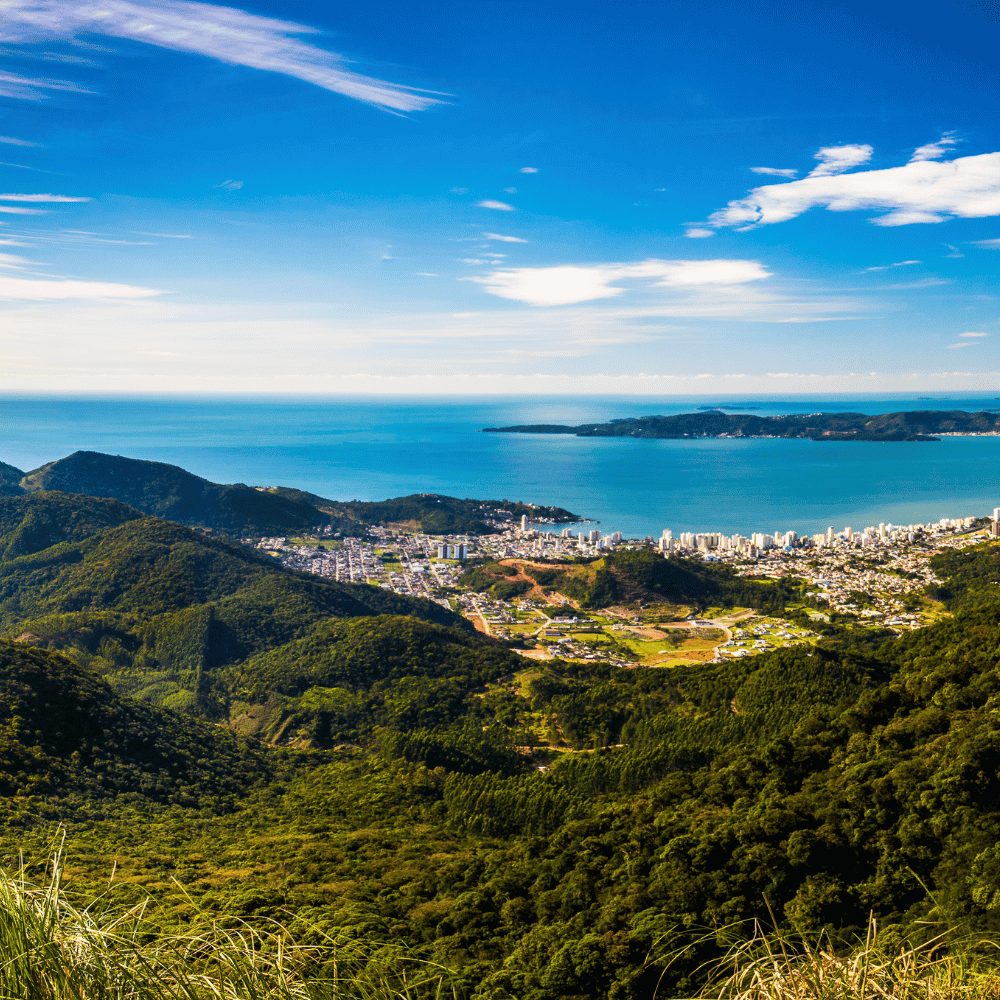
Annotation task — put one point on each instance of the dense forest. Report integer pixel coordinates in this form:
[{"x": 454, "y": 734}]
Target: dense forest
[
  {"x": 213, "y": 734},
  {"x": 915, "y": 425}
]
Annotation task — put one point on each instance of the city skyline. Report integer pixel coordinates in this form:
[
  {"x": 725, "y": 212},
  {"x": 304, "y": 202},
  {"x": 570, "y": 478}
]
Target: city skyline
[{"x": 280, "y": 197}]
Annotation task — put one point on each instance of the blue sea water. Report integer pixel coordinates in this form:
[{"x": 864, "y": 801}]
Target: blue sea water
[{"x": 367, "y": 448}]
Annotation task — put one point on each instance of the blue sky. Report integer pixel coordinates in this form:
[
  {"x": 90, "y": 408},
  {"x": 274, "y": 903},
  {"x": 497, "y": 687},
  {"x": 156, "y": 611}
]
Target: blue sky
[{"x": 498, "y": 197}]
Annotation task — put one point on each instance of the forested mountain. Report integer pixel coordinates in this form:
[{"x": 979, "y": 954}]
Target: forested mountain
[
  {"x": 156, "y": 607},
  {"x": 544, "y": 830}
]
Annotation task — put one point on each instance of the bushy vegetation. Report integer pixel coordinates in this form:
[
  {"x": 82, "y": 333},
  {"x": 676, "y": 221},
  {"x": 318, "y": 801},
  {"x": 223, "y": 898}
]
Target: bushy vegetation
[{"x": 53, "y": 950}]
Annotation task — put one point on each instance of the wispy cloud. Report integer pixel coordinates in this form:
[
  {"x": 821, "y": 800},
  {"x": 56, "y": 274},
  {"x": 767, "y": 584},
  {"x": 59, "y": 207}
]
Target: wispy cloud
[
  {"x": 9, "y": 140},
  {"x": 46, "y": 199},
  {"x": 698, "y": 233},
  {"x": 226, "y": 33},
  {"x": 987, "y": 244},
  {"x": 775, "y": 171},
  {"x": 496, "y": 206},
  {"x": 934, "y": 150},
  {"x": 62, "y": 289},
  {"x": 229, "y": 185},
  {"x": 971, "y": 338},
  {"x": 20, "y": 210},
  {"x": 889, "y": 267},
  {"x": 924, "y": 190},
  {"x": 570, "y": 284},
  {"x": 33, "y": 88},
  {"x": 503, "y": 238},
  {"x": 529, "y": 170}
]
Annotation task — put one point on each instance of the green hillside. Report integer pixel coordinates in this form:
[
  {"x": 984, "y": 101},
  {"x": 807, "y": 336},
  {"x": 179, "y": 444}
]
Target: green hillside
[
  {"x": 158, "y": 608},
  {"x": 170, "y": 492}
]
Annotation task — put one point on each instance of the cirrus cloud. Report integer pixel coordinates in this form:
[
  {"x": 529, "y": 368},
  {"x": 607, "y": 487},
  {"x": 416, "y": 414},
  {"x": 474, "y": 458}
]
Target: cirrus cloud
[{"x": 225, "y": 33}]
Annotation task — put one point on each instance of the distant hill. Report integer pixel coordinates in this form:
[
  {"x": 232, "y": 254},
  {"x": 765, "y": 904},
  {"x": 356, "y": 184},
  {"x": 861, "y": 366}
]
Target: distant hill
[
  {"x": 431, "y": 513},
  {"x": 170, "y": 492},
  {"x": 918, "y": 425}
]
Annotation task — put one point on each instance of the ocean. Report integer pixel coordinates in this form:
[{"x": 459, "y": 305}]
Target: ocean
[{"x": 368, "y": 448}]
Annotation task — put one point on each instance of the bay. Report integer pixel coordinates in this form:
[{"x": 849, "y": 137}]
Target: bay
[{"x": 372, "y": 448}]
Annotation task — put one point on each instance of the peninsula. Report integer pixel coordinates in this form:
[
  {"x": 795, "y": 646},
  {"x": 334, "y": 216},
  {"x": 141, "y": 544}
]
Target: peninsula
[{"x": 915, "y": 425}]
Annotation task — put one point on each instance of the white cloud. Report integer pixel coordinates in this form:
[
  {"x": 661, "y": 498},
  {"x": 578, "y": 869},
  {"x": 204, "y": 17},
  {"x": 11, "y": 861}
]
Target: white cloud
[
  {"x": 61, "y": 289},
  {"x": 10, "y": 260},
  {"x": 775, "y": 171},
  {"x": 924, "y": 191},
  {"x": 229, "y": 185},
  {"x": 49, "y": 199},
  {"x": 987, "y": 244},
  {"x": 225, "y": 33},
  {"x": 698, "y": 233},
  {"x": 573, "y": 283},
  {"x": 503, "y": 238},
  {"x": 898, "y": 263},
  {"x": 9, "y": 140},
  {"x": 529, "y": 170},
  {"x": 19, "y": 210},
  {"x": 960, "y": 344},
  {"x": 973, "y": 335},
  {"x": 934, "y": 150},
  {"x": 837, "y": 159},
  {"x": 496, "y": 206}
]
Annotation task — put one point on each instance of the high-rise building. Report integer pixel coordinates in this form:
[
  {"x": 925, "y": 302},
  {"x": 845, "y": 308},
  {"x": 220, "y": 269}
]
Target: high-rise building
[{"x": 524, "y": 522}]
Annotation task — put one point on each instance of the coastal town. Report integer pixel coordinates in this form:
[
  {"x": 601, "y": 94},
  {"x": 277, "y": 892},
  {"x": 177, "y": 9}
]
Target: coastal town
[{"x": 877, "y": 577}]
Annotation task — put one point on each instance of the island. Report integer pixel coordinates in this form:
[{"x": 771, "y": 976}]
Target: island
[{"x": 907, "y": 425}]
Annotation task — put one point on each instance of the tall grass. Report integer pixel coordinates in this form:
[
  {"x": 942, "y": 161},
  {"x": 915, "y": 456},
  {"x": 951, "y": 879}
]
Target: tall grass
[
  {"x": 52, "y": 950},
  {"x": 777, "y": 966}
]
